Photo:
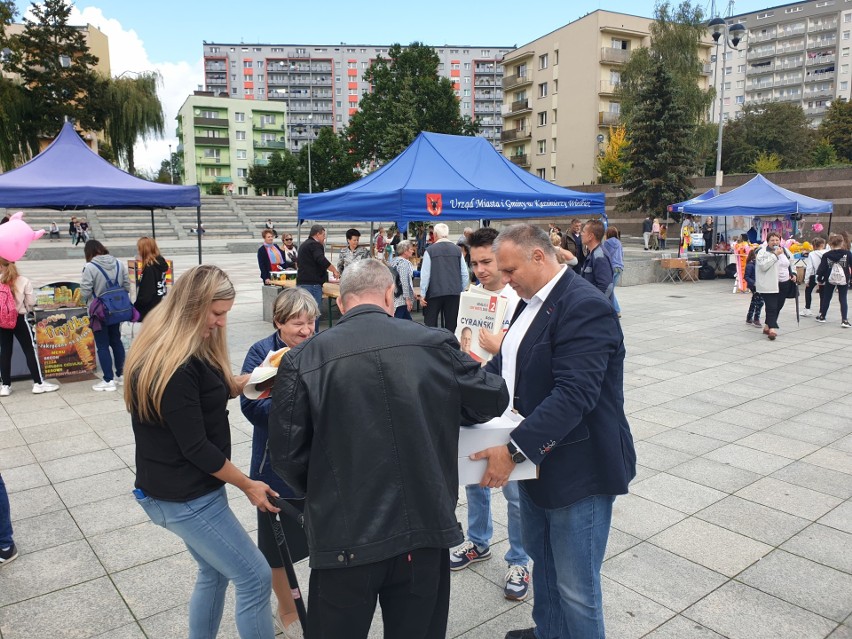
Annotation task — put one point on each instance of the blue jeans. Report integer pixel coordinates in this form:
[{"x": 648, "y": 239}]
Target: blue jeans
[
  {"x": 109, "y": 337},
  {"x": 616, "y": 278},
  {"x": 567, "y": 547},
  {"x": 224, "y": 552},
  {"x": 5, "y": 517},
  {"x": 479, "y": 525},
  {"x": 316, "y": 292}
]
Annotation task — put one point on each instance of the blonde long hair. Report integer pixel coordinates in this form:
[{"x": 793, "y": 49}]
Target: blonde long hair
[
  {"x": 10, "y": 273},
  {"x": 173, "y": 333}
]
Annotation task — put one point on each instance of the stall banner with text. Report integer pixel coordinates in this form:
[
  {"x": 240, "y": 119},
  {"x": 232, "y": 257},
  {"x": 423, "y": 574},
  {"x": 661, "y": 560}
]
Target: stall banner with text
[{"x": 66, "y": 344}]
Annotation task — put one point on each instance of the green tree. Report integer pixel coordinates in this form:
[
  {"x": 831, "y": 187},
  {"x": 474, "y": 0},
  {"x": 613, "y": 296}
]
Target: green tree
[
  {"x": 332, "y": 165},
  {"x": 825, "y": 154},
  {"x": 56, "y": 70},
  {"x": 676, "y": 34},
  {"x": 612, "y": 165},
  {"x": 661, "y": 159},
  {"x": 766, "y": 163},
  {"x": 408, "y": 97},
  {"x": 17, "y": 141},
  {"x": 836, "y": 127},
  {"x": 132, "y": 112},
  {"x": 281, "y": 170},
  {"x": 772, "y": 127}
]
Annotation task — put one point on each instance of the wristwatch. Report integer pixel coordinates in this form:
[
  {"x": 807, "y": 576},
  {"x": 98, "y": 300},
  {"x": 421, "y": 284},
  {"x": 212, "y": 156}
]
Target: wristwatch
[{"x": 517, "y": 456}]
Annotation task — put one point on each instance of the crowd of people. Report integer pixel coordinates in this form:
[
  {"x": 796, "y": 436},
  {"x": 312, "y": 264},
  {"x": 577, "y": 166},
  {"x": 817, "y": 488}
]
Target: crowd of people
[{"x": 378, "y": 488}]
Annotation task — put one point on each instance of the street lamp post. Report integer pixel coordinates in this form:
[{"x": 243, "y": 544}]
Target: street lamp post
[
  {"x": 171, "y": 166},
  {"x": 310, "y": 135},
  {"x": 731, "y": 36}
]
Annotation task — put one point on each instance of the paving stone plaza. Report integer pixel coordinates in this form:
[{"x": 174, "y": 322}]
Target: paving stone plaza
[{"x": 739, "y": 522}]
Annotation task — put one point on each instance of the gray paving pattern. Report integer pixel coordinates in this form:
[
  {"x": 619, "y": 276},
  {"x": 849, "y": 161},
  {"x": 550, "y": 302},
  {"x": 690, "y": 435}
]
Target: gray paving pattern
[{"x": 739, "y": 523}]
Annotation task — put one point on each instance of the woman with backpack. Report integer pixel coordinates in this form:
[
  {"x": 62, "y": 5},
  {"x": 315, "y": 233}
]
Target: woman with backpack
[
  {"x": 16, "y": 299},
  {"x": 834, "y": 272},
  {"x": 151, "y": 285},
  {"x": 104, "y": 274}
]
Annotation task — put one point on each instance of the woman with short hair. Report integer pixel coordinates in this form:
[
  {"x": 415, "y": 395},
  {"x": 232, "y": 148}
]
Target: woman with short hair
[
  {"x": 178, "y": 384},
  {"x": 270, "y": 257},
  {"x": 293, "y": 315},
  {"x": 774, "y": 280}
]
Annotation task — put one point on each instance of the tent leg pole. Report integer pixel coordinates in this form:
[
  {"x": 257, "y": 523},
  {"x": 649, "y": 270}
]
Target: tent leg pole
[
  {"x": 198, "y": 232},
  {"x": 153, "y": 230},
  {"x": 371, "y": 238},
  {"x": 830, "y": 215}
]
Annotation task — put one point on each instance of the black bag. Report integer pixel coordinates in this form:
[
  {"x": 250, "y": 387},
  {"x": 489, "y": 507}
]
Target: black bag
[
  {"x": 116, "y": 301},
  {"x": 731, "y": 271},
  {"x": 397, "y": 280},
  {"x": 706, "y": 272}
]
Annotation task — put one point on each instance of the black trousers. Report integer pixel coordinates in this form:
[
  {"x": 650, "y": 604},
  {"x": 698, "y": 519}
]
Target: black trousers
[
  {"x": 775, "y": 302},
  {"x": 809, "y": 291},
  {"x": 828, "y": 293},
  {"x": 447, "y": 306},
  {"x": 413, "y": 589},
  {"x": 21, "y": 332}
]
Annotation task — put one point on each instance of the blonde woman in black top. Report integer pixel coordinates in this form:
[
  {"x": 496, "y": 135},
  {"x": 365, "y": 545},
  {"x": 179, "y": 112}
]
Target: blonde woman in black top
[{"x": 178, "y": 382}]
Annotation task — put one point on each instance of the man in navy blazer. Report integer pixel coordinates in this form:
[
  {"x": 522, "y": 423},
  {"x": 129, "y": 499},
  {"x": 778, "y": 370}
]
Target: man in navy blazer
[{"x": 563, "y": 361}]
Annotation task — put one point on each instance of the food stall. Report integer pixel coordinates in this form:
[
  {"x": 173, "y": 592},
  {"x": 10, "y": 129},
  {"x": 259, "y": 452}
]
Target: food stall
[{"x": 65, "y": 345}]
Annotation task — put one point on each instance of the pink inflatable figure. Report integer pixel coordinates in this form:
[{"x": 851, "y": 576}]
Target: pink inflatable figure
[{"x": 16, "y": 237}]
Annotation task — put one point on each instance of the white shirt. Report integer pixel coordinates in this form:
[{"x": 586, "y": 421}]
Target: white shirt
[
  {"x": 518, "y": 331},
  {"x": 512, "y": 299}
]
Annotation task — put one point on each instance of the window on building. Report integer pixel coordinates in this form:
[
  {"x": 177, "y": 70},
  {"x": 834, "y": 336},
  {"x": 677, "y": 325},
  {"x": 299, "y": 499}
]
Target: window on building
[
  {"x": 740, "y": 84},
  {"x": 246, "y": 91},
  {"x": 728, "y": 70},
  {"x": 844, "y": 69},
  {"x": 727, "y": 86},
  {"x": 542, "y": 90},
  {"x": 247, "y": 77},
  {"x": 212, "y": 153},
  {"x": 339, "y": 118},
  {"x": 267, "y": 118},
  {"x": 542, "y": 118},
  {"x": 467, "y": 93},
  {"x": 485, "y": 53},
  {"x": 844, "y": 85},
  {"x": 242, "y": 173},
  {"x": 466, "y": 106},
  {"x": 259, "y": 77},
  {"x": 740, "y": 99},
  {"x": 212, "y": 171},
  {"x": 233, "y": 90},
  {"x": 846, "y": 34},
  {"x": 467, "y": 79},
  {"x": 242, "y": 154},
  {"x": 239, "y": 135},
  {"x": 844, "y": 52},
  {"x": 467, "y": 66},
  {"x": 541, "y": 174},
  {"x": 741, "y": 68},
  {"x": 542, "y": 61},
  {"x": 847, "y": 17},
  {"x": 553, "y": 174},
  {"x": 209, "y": 114},
  {"x": 301, "y": 52},
  {"x": 233, "y": 77},
  {"x": 247, "y": 64},
  {"x": 242, "y": 190},
  {"x": 556, "y": 86},
  {"x": 553, "y": 118},
  {"x": 542, "y": 147},
  {"x": 260, "y": 90},
  {"x": 553, "y": 145}
]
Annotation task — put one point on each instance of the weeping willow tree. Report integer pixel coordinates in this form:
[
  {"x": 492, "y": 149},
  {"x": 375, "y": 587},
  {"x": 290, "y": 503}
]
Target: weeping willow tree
[{"x": 132, "y": 112}]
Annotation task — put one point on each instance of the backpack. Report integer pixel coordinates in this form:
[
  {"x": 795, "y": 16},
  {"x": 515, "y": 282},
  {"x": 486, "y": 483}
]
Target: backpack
[
  {"x": 116, "y": 301},
  {"x": 837, "y": 272},
  {"x": 397, "y": 280},
  {"x": 8, "y": 307}
]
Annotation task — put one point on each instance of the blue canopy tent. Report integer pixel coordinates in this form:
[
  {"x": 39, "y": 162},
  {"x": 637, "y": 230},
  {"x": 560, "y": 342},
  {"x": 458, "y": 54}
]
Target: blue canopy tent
[
  {"x": 69, "y": 176},
  {"x": 678, "y": 208},
  {"x": 760, "y": 198},
  {"x": 447, "y": 177}
]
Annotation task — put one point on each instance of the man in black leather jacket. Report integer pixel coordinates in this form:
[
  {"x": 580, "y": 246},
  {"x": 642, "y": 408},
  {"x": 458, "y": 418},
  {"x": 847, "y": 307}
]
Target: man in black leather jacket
[{"x": 365, "y": 421}]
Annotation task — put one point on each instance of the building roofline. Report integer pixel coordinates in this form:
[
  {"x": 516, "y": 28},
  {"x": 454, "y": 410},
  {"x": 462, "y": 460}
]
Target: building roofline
[{"x": 351, "y": 44}]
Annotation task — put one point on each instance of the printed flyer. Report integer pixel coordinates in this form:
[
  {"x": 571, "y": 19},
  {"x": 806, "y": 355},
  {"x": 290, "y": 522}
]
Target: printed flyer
[
  {"x": 479, "y": 310},
  {"x": 65, "y": 343}
]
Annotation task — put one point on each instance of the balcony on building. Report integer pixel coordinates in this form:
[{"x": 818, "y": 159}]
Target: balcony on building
[
  {"x": 513, "y": 135},
  {"x": 790, "y": 47},
  {"x": 519, "y": 106},
  {"x": 789, "y": 97},
  {"x": 820, "y": 93},
  {"x": 821, "y": 59},
  {"x": 214, "y": 122},
  {"x": 516, "y": 80},
  {"x": 221, "y": 159},
  {"x": 706, "y": 68},
  {"x": 520, "y": 160},
  {"x": 816, "y": 76},
  {"x": 270, "y": 144},
  {"x": 760, "y": 86},
  {"x": 608, "y": 118},
  {"x": 784, "y": 82},
  {"x": 790, "y": 32},
  {"x": 816, "y": 110},
  {"x": 215, "y": 66},
  {"x": 762, "y": 37},
  {"x": 830, "y": 25},
  {"x": 609, "y": 88},
  {"x": 614, "y": 56},
  {"x": 756, "y": 69},
  {"x": 761, "y": 52},
  {"x": 822, "y": 42},
  {"x": 205, "y": 141}
]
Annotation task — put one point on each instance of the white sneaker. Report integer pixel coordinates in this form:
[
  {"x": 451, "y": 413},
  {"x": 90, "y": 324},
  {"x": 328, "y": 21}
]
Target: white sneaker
[
  {"x": 5, "y": 391},
  {"x": 807, "y": 313},
  {"x": 119, "y": 380},
  {"x": 104, "y": 386},
  {"x": 44, "y": 387}
]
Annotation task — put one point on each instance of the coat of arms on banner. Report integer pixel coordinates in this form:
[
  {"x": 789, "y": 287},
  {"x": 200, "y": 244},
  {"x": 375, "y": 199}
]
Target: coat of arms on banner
[{"x": 434, "y": 204}]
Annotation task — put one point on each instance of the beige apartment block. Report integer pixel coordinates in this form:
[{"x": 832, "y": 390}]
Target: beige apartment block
[{"x": 560, "y": 94}]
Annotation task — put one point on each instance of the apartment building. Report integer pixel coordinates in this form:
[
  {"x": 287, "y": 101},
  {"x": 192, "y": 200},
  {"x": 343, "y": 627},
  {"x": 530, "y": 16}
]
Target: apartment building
[
  {"x": 797, "y": 53},
  {"x": 559, "y": 95},
  {"x": 221, "y": 138},
  {"x": 322, "y": 85}
]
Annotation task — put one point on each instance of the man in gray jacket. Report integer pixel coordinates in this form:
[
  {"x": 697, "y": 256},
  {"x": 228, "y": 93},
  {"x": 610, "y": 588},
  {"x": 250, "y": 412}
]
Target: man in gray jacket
[
  {"x": 381, "y": 481},
  {"x": 443, "y": 276}
]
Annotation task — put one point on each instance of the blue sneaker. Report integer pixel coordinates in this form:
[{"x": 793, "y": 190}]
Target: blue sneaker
[
  {"x": 467, "y": 554},
  {"x": 517, "y": 583}
]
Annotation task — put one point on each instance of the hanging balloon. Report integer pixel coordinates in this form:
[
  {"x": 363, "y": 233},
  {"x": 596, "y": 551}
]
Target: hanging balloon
[
  {"x": 817, "y": 227},
  {"x": 16, "y": 237}
]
